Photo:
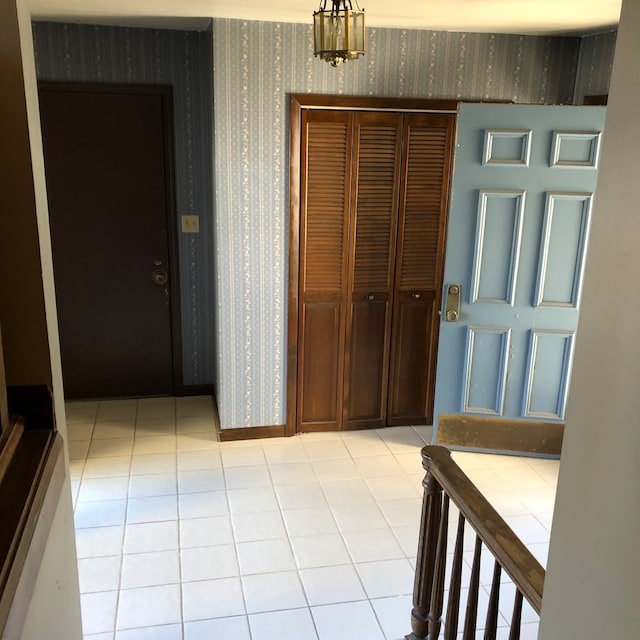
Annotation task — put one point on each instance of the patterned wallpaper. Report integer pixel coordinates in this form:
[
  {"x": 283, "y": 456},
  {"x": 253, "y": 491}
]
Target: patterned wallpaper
[
  {"x": 255, "y": 66},
  {"x": 89, "y": 53},
  {"x": 595, "y": 64}
]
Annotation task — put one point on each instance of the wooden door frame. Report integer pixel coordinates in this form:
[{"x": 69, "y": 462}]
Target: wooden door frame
[
  {"x": 297, "y": 103},
  {"x": 165, "y": 92}
]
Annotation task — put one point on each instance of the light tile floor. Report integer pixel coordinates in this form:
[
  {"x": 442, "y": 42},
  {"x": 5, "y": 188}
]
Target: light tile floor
[{"x": 181, "y": 537}]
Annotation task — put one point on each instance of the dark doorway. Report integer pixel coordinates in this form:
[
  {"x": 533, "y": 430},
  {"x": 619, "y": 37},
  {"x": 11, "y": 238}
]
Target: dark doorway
[{"x": 109, "y": 169}]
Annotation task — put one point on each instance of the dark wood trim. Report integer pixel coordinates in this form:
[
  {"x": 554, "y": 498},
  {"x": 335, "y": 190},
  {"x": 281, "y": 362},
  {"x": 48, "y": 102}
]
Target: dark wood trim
[
  {"x": 499, "y": 434},
  {"x": 298, "y": 102},
  {"x": 251, "y": 433},
  {"x": 596, "y": 100},
  {"x": 195, "y": 390},
  {"x": 21, "y": 567},
  {"x": 367, "y": 103},
  {"x": 166, "y": 94}
]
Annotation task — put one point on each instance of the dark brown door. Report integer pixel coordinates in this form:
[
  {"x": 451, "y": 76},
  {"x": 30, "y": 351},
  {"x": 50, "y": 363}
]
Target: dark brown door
[
  {"x": 109, "y": 183},
  {"x": 426, "y": 165},
  {"x": 374, "y": 196},
  {"x": 324, "y": 225},
  {"x": 372, "y": 267}
]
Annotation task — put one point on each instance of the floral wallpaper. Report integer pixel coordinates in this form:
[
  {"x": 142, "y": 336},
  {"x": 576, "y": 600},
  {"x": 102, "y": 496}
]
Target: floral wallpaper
[
  {"x": 234, "y": 273},
  {"x": 595, "y": 64}
]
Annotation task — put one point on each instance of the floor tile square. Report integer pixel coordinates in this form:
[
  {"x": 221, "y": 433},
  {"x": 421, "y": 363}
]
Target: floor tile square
[
  {"x": 247, "y": 477},
  {"x": 234, "y": 628},
  {"x": 245, "y": 456},
  {"x": 203, "y": 505},
  {"x": 195, "y": 424},
  {"x": 402, "y": 513},
  {"x": 307, "y": 522},
  {"x": 151, "y": 536},
  {"x": 152, "y": 509},
  {"x": 195, "y": 460},
  {"x": 100, "y": 513},
  {"x": 114, "y": 429},
  {"x": 200, "y": 481},
  {"x": 145, "y": 445},
  {"x": 97, "y": 542},
  {"x": 291, "y": 624},
  {"x": 353, "y": 491},
  {"x": 273, "y": 592},
  {"x": 377, "y": 544},
  {"x": 150, "y": 569},
  {"x": 359, "y": 517},
  {"x": 161, "y": 426},
  {"x": 111, "y": 447},
  {"x": 265, "y": 556},
  {"x": 319, "y": 551},
  {"x": 205, "y": 532},
  {"x": 92, "y": 489},
  {"x": 301, "y": 496},
  {"x": 347, "y": 620},
  {"x": 292, "y": 473},
  {"x": 394, "y": 615},
  {"x": 165, "y": 632},
  {"x": 153, "y": 463},
  {"x": 212, "y": 599},
  {"x": 107, "y": 467},
  {"x": 209, "y": 563},
  {"x": 99, "y": 574},
  {"x": 149, "y": 606},
  {"x": 252, "y": 500},
  {"x": 392, "y": 488},
  {"x": 153, "y": 484},
  {"x": 198, "y": 441},
  {"x": 266, "y": 525},
  {"x": 329, "y": 585},
  {"x": 386, "y": 577},
  {"x": 98, "y": 611}
]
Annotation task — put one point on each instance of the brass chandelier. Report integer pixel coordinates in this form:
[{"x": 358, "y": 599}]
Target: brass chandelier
[{"x": 338, "y": 32}]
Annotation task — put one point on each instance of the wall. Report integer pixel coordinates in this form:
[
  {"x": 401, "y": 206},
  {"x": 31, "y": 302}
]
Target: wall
[
  {"x": 256, "y": 64},
  {"x": 86, "y": 53},
  {"x": 592, "y": 588},
  {"x": 594, "y": 65},
  {"x": 54, "y": 608}
]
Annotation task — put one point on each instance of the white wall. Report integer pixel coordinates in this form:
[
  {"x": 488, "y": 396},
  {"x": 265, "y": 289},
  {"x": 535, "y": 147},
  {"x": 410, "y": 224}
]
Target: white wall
[
  {"x": 593, "y": 579},
  {"x": 54, "y": 611}
]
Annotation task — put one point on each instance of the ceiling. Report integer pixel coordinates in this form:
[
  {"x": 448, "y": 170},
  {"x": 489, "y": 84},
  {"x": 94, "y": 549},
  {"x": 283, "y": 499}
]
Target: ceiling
[{"x": 535, "y": 17}]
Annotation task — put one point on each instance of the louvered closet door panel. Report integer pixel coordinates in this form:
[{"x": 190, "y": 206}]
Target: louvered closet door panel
[
  {"x": 424, "y": 194},
  {"x": 372, "y": 268},
  {"x": 324, "y": 220}
]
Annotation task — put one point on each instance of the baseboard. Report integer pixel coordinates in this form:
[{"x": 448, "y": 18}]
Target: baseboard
[
  {"x": 251, "y": 433},
  {"x": 499, "y": 434},
  {"x": 195, "y": 390}
]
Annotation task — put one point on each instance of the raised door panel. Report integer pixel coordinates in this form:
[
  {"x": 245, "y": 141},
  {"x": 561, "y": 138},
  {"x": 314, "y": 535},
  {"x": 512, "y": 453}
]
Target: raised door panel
[
  {"x": 424, "y": 193},
  {"x": 372, "y": 268},
  {"x": 326, "y": 144}
]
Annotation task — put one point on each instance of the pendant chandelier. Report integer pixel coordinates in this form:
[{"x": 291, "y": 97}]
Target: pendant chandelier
[{"x": 338, "y": 32}]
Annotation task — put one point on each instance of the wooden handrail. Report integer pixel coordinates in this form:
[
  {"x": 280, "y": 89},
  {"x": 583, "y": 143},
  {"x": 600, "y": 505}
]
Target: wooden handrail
[{"x": 445, "y": 482}]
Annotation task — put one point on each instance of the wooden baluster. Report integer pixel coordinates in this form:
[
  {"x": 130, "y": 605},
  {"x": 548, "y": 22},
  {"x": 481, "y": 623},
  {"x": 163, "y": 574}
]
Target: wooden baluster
[
  {"x": 453, "y": 605},
  {"x": 514, "y": 634},
  {"x": 437, "y": 593},
  {"x": 471, "y": 616},
  {"x": 427, "y": 549},
  {"x": 491, "y": 627}
]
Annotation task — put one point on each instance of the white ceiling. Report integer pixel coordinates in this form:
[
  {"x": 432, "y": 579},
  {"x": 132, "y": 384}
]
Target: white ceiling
[{"x": 500, "y": 16}]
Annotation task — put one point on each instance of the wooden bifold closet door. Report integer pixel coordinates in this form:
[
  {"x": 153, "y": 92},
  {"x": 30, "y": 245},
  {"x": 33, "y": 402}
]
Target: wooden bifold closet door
[{"x": 374, "y": 193}]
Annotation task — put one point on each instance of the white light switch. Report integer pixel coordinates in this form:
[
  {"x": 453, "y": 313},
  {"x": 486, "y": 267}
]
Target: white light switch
[{"x": 190, "y": 224}]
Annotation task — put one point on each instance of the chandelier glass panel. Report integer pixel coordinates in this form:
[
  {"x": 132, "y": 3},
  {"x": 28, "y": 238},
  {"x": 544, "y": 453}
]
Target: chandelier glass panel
[{"x": 338, "y": 32}]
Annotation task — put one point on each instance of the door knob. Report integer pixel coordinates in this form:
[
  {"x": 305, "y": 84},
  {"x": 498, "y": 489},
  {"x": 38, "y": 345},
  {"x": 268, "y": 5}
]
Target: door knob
[
  {"x": 416, "y": 296},
  {"x": 159, "y": 277},
  {"x": 370, "y": 296}
]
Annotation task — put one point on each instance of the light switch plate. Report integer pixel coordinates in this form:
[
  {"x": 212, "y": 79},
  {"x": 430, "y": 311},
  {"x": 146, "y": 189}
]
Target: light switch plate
[{"x": 190, "y": 224}]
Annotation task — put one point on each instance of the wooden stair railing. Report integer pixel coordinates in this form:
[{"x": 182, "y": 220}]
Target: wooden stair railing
[{"x": 446, "y": 483}]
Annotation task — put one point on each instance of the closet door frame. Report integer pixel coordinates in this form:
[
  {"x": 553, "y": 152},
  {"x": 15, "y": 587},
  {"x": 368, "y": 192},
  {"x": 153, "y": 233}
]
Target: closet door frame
[{"x": 298, "y": 103}]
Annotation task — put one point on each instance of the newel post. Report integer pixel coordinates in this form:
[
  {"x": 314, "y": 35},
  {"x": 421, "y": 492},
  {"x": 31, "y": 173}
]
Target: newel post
[{"x": 430, "y": 563}]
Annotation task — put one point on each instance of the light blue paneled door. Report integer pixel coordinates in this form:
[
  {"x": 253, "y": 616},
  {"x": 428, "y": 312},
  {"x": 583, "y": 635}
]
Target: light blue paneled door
[{"x": 523, "y": 190}]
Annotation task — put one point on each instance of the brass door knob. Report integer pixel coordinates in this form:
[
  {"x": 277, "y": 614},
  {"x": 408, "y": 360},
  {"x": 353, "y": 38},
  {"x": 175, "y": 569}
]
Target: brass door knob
[{"x": 159, "y": 277}]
